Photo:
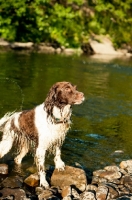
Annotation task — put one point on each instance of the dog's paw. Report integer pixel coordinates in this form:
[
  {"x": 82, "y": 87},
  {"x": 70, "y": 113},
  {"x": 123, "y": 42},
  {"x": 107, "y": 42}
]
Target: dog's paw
[
  {"x": 44, "y": 184},
  {"x": 60, "y": 165}
]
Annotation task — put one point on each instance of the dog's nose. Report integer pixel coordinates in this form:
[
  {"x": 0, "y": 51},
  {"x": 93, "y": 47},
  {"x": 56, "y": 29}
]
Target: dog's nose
[{"x": 82, "y": 96}]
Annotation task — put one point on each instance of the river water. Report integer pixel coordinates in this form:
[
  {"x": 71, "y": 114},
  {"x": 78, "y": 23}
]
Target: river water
[{"x": 101, "y": 125}]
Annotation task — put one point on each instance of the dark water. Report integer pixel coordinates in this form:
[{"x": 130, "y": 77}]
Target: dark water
[{"x": 101, "y": 125}]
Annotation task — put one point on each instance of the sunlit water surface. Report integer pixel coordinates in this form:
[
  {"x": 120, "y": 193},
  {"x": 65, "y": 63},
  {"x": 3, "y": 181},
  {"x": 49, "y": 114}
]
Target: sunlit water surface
[{"x": 101, "y": 125}]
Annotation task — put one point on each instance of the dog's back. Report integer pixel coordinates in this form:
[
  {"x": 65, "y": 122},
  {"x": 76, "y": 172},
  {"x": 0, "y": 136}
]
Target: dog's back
[{"x": 4, "y": 120}]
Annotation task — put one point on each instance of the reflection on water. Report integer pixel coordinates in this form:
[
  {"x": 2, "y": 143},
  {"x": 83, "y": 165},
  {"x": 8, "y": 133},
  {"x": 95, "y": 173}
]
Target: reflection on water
[{"x": 101, "y": 125}]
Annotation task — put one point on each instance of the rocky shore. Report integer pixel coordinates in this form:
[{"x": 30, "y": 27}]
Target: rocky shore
[
  {"x": 33, "y": 47},
  {"x": 74, "y": 183},
  {"x": 100, "y": 45}
]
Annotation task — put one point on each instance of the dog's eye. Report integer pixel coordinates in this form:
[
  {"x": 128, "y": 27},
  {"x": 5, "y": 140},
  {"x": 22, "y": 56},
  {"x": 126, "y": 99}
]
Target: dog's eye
[{"x": 67, "y": 89}]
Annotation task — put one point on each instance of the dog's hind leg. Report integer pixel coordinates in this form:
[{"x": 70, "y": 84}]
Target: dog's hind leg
[
  {"x": 6, "y": 143},
  {"x": 23, "y": 151}
]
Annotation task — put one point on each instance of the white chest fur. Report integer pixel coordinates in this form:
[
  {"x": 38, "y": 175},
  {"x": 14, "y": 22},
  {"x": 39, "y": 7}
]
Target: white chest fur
[{"x": 51, "y": 133}]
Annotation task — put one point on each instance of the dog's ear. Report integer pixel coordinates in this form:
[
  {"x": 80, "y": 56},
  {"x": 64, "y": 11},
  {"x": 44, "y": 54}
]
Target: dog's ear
[
  {"x": 52, "y": 95},
  {"x": 51, "y": 99}
]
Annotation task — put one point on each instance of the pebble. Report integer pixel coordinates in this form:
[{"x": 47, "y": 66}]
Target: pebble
[
  {"x": 3, "y": 169},
  {"x": 118, "y": 152},
  {"x": 32, "y": 180}
]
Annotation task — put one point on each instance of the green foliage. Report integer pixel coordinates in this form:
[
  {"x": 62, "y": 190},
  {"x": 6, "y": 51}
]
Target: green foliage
[
  {"x": 116, "y": 18},
  {"x": 65, "y": 22}
]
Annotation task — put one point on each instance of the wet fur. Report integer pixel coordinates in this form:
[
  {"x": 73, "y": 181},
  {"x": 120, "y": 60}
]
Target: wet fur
[{"x": 45, "y": 126}]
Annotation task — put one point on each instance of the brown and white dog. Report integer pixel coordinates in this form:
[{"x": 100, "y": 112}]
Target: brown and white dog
[{"x": 46, "y": 126}]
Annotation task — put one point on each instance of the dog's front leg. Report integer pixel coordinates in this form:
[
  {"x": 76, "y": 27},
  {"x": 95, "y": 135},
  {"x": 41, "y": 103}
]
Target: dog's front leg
[
  {"x": 40, "y": 159},
  {"x": 59, "y": 164}
]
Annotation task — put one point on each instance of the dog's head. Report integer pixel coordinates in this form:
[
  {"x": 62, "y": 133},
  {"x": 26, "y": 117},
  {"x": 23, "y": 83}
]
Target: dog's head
[{"x": 62, "y": 94}]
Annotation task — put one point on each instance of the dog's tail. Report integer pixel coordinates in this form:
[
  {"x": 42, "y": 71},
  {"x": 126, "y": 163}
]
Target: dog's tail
[{"x": 4, "y": 119}]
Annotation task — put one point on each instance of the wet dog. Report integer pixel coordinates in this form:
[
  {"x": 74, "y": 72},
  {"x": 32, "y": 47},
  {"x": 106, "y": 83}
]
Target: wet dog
[{"x": 45, "y": 125}]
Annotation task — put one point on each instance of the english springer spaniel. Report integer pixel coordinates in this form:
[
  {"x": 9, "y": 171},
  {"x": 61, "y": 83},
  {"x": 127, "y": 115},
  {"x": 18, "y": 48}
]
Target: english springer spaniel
[{"x": 45, "y": 126}]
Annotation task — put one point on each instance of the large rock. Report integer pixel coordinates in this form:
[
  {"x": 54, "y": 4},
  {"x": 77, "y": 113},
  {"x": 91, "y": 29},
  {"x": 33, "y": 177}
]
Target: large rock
[
  {"x": 103, "y": 45},
  {"x": 45, "y": 48},
  {"x": 4, "y": 43},
  {"x": 70, "y": 176},
  {"x": 70, "y": 51},
  {"x": 21, "y": 45},
  {"x": 108, "y": 173},
  {"x": 17, "y": 194},
  {"x": 12, "y": 182},
  {"x": 127, "y": 165}
]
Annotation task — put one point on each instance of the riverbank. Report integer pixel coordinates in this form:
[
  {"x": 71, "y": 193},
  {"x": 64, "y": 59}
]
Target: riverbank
[
  {"x": 74, "y": 183},
  {"x": 33, "y": 47},
  {"x": 98, "y": 45}
]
